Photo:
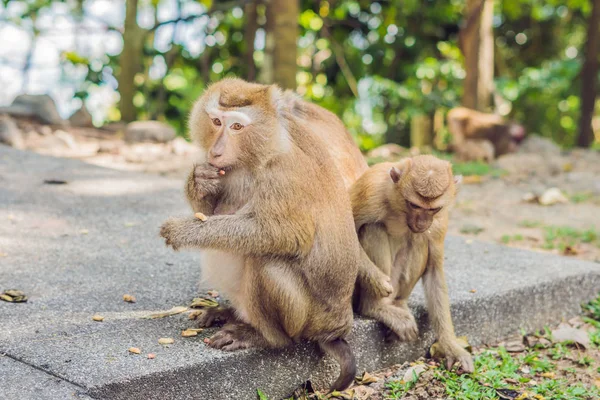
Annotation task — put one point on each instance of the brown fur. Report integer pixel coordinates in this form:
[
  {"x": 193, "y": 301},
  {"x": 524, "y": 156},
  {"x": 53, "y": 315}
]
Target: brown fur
[
  {"x": 478, "y": 136},
  {"x": 279, "y": 241},
  {"x": 406, "y": 242}
]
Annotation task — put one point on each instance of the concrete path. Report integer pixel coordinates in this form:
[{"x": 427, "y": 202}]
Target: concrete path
[{"x": 77, "y": 248}]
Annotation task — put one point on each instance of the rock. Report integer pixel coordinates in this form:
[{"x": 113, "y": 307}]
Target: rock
[
  {"x": 539, "y": 145},
  {"x": 578, "y": 336},
  {"x": 515, "y": 346},
  {"x": 10, "y": 133},
  {"x": 181, "y": 147},
  {"x": 412, "y": 374},
  {"x": 552, "y": 196},
  {"x": 529, "y": 164},
  {"x": 82, "y": 118},
  {"x": 40, "y": 106},
  {"x": 387, "y": 151},
  {"x": 149, "y": 131}
]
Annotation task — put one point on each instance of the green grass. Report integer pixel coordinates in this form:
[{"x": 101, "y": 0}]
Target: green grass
[
  {"x": 581, "y": 197},
  {"x": 562, "y": 236},
  {"x": 514, "y": 238},
  {"x": 530, "y": 223}
]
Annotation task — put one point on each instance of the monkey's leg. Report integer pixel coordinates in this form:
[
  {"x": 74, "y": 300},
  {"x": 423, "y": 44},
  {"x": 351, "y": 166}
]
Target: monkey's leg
[
  {"x": 400, "y": 320},
  {"x": 274, "y": 307},
  {"x": 438, "y": 305}
]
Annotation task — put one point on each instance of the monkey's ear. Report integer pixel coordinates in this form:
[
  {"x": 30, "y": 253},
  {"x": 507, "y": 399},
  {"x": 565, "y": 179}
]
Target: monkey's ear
[
  {"x": 458, "y": 179},
  {"x": 396, "y": 173}
]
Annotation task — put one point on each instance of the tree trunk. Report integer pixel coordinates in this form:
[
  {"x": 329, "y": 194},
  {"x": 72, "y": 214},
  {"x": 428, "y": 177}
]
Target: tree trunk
[
  {"x": 485, "y": 75},
  {"x": 421, "y": 131},
  {"x": 282, "y": 34},
  {"x": 477, "y": 45},
  {"x": 251, "y": 27},
  {"x": 589, "y": 74},
  {"x": 130, "y": 61}
]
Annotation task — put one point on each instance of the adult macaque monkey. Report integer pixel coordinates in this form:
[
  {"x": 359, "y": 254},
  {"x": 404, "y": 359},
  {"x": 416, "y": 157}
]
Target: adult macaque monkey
[
  {"x": 279, "y": 240},
  {"x": 401, "y": 216},
  {"x": 478, "y": 136}
]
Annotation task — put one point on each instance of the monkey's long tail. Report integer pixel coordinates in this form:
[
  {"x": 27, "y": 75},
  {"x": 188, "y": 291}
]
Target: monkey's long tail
[{"x": 340, "y": 350}]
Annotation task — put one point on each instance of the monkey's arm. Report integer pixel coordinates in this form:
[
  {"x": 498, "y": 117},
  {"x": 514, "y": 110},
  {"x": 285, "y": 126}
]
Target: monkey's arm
[
  {"x": 438, "y": 305},
  {"x": 375, "y": 263},
  {"x": 242, "y": 234}
]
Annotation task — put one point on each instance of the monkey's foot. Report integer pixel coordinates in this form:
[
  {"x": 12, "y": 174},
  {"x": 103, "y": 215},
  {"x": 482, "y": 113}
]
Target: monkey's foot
[
  {"x": 456, "y": 354},
  {"x": 210, "y": 316},
  {"x": 236, "y": 336},
  {"x": 404, "y": 329}
]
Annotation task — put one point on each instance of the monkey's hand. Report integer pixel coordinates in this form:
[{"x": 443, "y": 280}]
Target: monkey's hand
[
  {"x": 377, "y": 283},
  {"x": 455, "y": 353},
  {"x": 177, "y": 231},
  {"x": 204, "y": 180}
]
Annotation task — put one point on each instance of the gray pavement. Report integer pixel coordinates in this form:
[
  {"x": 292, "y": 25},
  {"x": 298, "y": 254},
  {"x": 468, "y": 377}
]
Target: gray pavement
[{"x": 76, "y": 248}]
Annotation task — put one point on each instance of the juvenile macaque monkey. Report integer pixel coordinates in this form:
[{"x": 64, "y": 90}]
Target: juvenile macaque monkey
[
  {"x": 401, "y": 216},
  {"x": 478, "y": 136},
  {"x": 279, "y": 239}
]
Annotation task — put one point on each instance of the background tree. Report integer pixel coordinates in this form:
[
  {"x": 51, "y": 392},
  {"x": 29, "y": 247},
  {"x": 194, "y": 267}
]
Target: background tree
[{"x": 589, "y": 77}]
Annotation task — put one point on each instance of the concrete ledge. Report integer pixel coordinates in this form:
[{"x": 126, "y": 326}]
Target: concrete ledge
[{"x": 75, "y": 249}]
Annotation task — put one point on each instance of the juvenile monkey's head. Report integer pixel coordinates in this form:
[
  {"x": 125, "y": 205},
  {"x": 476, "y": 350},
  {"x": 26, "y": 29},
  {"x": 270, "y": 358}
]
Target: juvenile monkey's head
[
  {"x": 423, "y": 187},
  {"x": 237, "y": 123}
]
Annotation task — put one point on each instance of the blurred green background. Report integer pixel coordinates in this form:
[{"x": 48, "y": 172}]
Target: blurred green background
[{"x": 376, "y": 64}]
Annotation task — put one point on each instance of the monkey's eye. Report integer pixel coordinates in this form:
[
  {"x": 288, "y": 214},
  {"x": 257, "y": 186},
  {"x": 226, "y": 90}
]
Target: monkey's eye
[
  {"x": 413, "y": 205},
  {"x": 237, "y": 126},
  {"x": 216, "y": 121}
]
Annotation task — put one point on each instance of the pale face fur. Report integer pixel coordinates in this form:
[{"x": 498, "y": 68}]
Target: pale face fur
[{"x": 236, "y": 124}]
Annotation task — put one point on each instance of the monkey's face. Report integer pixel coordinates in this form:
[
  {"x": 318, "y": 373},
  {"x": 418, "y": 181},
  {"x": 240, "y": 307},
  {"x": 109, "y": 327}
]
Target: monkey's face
[
  {"x": 235, "y": 124},
  {"x": 419, "y": 216}
]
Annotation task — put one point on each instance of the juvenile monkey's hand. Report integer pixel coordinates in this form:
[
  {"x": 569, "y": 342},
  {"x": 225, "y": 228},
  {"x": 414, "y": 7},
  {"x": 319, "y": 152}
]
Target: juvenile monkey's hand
[
  {"x": 455, "y": 353},
  {"x": 377, "y": 283},
  {"x": 204, "y": 180},
  {"x": 178, "y": 232}
]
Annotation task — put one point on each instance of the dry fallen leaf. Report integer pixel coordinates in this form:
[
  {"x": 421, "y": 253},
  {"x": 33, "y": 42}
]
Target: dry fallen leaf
[
  {"x": 473, "y": 290},
  {"x": 515, "y": 346},
  {"x": 200, "y": 302},
  {"x": 128, "y": 298},
  {"x": 345, "y": 395},
  {"x": 151, "y": 356},
  {"x": 570, "y": 251},
  {"x": 162, "y": 314},
  {"x": 549, "y": 375},
  {"x": 201, "y": 216},
  {"x": 189, "y": 333},
  {"x": 365, "y": 379},
  {"x": 13, "y": 296},
  {"x": 134, "y": 350},
  {"x": 166, "y": 340},
  {"x": 472, "y": 179},
  {"x": 98, "y": 318}
]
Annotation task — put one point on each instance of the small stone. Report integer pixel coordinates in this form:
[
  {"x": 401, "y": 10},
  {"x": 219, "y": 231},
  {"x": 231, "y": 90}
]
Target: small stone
[
  {"x": 413, "y": 373},
  {"x": 552, "y": 196},
  {"x": 149, "y": 131},
  {"x": 81, "y": 118},
  {"x": 98, "y": 318},
  {"x": 10, "y": 134},
  {"x": 134, "y": 350},
  {"x": 515, "y": 346}
]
